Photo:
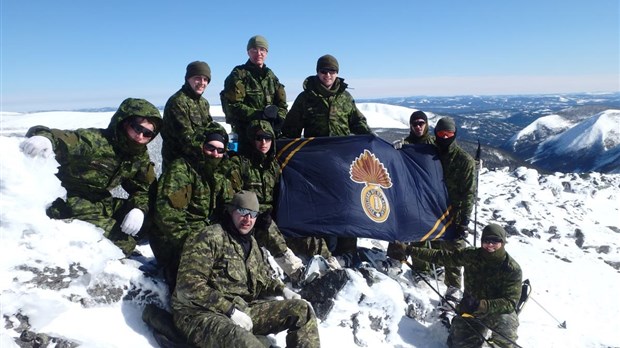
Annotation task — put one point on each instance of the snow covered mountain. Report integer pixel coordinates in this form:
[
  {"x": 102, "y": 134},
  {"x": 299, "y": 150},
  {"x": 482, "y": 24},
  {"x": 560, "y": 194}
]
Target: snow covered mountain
[
  {"x": 553, "y": 141},
  {"x": 63, "y": 284}
]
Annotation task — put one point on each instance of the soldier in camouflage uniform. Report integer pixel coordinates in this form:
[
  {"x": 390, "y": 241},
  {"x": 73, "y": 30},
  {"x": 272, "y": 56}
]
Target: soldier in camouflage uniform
[
  {"x": 221, "y": 298},
  {"x": 492, "y": 289},
  {"x": 186, "y": 115},
  {"x": 259, "y": 172},
  {"x": 94, "y": 161},
  {"x": 250, "y": 90},
  {"x": 190, "y": 195},
  {"x": 326, "y": 109},
  {"x": 460, "y": 179}
]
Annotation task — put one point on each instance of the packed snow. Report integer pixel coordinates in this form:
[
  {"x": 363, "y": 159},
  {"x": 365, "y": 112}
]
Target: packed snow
[{"x": 73, "y": 284}]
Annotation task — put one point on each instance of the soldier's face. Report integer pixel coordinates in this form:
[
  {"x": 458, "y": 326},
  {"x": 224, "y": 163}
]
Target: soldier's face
[
  {"x": 327, "y": 77},
  {"x": 263, "y": 142},
  {"x": 243, "y": 223},
  {"x": 258, "y": 55},
  {"x": 491, "y": 246},
  {"x": 198, "y": 83},
  {"x": 418, "y": 127},
  {"x": 140, "y": 130},
  {"x": 214, "y": 149}
]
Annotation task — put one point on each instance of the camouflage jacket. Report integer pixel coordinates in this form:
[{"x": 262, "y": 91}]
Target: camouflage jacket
[
  {"x": 459, "y": 172},
  {"x": 94, "y": 161},
  {"x": 321, "y": 112},
  {"x": 185, "y": 115},
  {"x": 213, "y": 275},
  {"x": 493, "y": 277},
  {"x": 188, "y": 200},
  {"x": 247, "y": 90},
  {"x": 259, "y": 172}
]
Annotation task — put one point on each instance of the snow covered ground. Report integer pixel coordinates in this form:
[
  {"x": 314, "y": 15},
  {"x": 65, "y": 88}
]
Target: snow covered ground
[{"x": 72, "y": 283}]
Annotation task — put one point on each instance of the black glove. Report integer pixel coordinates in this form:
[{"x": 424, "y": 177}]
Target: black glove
[
  {"x": 263, "y": 220},
  {"x": 469, "y": 304},
  {"x": 398, "y": 251},
  {"x": 462, "y": 231},
  {"x": 270, "y": 112}
]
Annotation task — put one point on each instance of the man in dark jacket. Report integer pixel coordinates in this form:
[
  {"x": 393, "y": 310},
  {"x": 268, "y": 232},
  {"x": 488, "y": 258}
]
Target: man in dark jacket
[
  {"x": 94, "y": 161},
  {"x": 252, "y": 91},
  {"x": 223, "y": 286},
  {"x": 492, "y": 288},
  {"x": 186, "y": 115}
]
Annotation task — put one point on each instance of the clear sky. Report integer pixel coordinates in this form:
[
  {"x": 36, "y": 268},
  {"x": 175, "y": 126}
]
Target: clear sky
[{"x": 67, "y": 54}]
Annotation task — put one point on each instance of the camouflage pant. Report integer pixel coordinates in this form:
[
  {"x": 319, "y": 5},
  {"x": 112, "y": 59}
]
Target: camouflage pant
[
  {"x": 212, "y": 330},
  {"x": 271, "y": 239},
  {"x": 107, "y": 213},
  {"x": 468, "y": 333},
  {"x": 308, "y": 246}
]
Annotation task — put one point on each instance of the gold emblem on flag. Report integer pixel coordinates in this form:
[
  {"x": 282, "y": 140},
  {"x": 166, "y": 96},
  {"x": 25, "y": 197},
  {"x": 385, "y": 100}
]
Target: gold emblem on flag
[{"x": 368, "y": 170}]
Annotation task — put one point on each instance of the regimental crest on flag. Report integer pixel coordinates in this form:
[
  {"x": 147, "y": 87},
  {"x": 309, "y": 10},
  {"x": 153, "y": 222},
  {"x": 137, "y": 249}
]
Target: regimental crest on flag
[{"x": 368, "y": 170}]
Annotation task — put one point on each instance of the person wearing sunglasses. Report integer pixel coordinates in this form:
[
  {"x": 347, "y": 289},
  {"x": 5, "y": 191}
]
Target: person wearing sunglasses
[
  {"x": 418, "y": 131},
  {"x": 251, "y": 91},
  {"x": 191, "y": 193},
  {"x": 95, "y": 161},
  {"x": 260, "y": 172},
  {"x": 224, "y": 293},
  {"x": 326, "y": 109},
  {"x": 186, "y": 114},
  {"x": 492, "y": 288}
]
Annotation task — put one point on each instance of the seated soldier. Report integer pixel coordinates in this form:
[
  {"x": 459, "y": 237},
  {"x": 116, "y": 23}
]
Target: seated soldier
[
  {"x": 94, "y": 161},
  {"x": 224, "y": 285}
]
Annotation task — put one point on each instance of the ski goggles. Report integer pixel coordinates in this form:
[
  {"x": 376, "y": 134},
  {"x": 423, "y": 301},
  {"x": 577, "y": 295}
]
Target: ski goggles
[
  {"x": 445, "y": 134},
  {"x": 138, "y": 128},
  {"x": 243, "y": 211}
]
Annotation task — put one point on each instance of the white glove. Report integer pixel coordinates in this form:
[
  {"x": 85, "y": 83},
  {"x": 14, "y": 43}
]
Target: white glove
[
  {"x": 37, "y": 146},
  {"x": 398, "y": 144},
  {"x": 133, "y": 222},
  {"x": 242, "y": 319},
  {"x": 290, "y": 294}
]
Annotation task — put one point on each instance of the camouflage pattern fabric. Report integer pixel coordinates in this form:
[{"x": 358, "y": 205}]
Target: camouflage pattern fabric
[
  {"x": 190, "y": 196},
  {"x": 321, "y": 112},
  {"x": 247, "y": 91},
  {"x": 503, "y": 326},
  {"x": 214, "y": 278},
  {"x": 459, "y": 171},
  {"x": 94, "y": 161},
  {"x": 185, "y": 114},
  {"x": 260, "y": 173}
]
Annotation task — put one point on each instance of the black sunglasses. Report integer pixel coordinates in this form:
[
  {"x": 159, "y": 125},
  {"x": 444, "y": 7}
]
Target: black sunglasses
[
  {"x": 327, "y": 71},
  {"x": 243, "y": 211},
  {"x": 138, "y": 128},
  {"x": 212, "y": 148},
  {"x": 262, "y": 137}
]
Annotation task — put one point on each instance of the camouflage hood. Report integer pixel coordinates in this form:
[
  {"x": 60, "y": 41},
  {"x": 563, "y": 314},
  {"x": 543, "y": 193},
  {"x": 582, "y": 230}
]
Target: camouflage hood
[
  {"x": 264, "y": 126},
  {"x": 132, "y": 107}
]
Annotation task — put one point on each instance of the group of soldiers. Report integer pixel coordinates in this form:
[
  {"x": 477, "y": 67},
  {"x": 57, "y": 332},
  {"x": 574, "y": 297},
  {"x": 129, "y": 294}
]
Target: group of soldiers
[{"x": 210, "y": 213}]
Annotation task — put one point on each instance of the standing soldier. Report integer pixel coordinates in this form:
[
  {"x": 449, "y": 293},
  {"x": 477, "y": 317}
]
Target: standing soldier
[
  {"x": 94, "y": 161},
  {"x": 252, "y": 91},
  {"x": 326, "y": 109},
  {"x": 190, "y": 195},
  {"x": 221, "y": 298},
  {"x": 492, "y": 289},
  {"x": 186, "y": 114},
  {"x": 259, "y": 172},
  {"x": 460, "y": 179}
]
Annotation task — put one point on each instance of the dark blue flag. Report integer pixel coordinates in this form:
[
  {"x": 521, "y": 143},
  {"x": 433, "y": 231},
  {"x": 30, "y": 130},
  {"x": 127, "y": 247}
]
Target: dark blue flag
[{"x": 360, "y": 186}]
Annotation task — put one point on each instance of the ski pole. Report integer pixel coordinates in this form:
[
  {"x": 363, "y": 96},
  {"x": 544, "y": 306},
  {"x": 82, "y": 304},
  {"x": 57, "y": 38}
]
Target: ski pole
[
  {"x": 561, "y": 325},
  {"x": 478, "y": 165}
]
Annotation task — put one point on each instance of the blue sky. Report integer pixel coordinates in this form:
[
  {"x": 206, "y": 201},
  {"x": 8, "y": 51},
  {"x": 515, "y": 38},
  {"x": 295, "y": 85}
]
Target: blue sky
[{"x": 76, "y": 54}]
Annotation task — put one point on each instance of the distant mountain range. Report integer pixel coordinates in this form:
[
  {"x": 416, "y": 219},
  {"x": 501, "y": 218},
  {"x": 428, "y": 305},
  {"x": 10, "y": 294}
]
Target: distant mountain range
[{"x": 564, "y": 133}]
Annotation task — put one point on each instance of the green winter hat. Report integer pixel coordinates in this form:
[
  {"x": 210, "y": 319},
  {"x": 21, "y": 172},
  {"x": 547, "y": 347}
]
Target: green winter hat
[
  {"x": 445, "y": 124},
  {"x": 258, "y": 41},
  {"x": 494, "y": 232},
  {"x": 244, "y": 199},
  {"x": 327, "y": 62},
  {"x": 198, "y": 68}
]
